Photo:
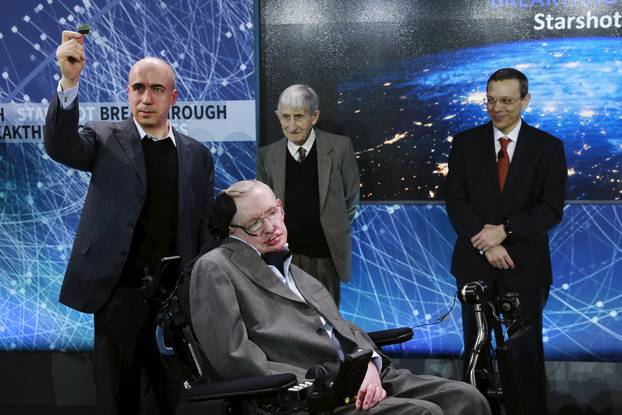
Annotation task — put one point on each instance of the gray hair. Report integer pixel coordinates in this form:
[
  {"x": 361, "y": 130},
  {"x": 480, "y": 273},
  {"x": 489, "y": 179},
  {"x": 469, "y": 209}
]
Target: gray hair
[
  {"x": 299, "y": 97},
  {"x": 244, "y": 187}
]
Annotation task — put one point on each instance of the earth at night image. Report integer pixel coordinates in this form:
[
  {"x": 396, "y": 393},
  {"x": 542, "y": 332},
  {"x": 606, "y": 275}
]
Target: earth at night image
[{"x": 576, "y": 89}]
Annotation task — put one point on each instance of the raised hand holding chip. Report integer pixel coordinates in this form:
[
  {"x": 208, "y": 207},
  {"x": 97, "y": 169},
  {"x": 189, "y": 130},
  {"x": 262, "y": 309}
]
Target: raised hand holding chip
[{"x": 70, "y": 58}]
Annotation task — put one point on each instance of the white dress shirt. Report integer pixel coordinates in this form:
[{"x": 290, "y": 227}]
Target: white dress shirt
[
  {"x": 68, "y": 96},
  {"x": 293, "y": 148},
  {"x": 512, "y": 135}
]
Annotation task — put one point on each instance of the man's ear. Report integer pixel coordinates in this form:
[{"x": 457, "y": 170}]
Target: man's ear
[
  {"x": 280, "y": 205},
  {"x": 525, "y": 101},
  {"x": 315, "y": 117}
]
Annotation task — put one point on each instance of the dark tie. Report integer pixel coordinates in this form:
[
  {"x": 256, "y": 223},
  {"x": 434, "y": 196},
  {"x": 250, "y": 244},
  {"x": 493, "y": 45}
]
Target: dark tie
[
  {"x": 276, "y": 259},
  {"x": 302, "y": 154},
  {"x": 503, "y": 162}
]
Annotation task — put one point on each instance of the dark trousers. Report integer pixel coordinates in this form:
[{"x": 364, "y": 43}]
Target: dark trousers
[
  {"x": 125, "y": 353},
  {"x": 532, "y": 304}
]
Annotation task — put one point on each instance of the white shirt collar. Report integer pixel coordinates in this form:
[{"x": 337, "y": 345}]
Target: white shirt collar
[
  {"x": 143, "y": 134},
  {"x": 293, "y": 148},
  {"x": 512, "y": 135}
]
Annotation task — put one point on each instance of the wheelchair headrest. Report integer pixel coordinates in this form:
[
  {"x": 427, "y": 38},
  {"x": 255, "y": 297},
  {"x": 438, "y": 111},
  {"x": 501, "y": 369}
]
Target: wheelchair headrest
[{"x": 220, "y": 215}]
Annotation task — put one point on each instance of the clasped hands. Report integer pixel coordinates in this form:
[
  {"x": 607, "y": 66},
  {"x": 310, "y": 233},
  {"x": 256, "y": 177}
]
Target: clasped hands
[{"x": 488, "y": 242}]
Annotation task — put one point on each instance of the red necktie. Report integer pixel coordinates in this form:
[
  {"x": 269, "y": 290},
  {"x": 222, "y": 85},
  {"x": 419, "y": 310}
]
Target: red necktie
[{"x": 503, "y": 161}]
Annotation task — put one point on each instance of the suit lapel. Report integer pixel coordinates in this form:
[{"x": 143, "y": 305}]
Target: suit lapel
[
  {"x": 302, "y": 287},
  {"x": 490, "y": 158},
  {"x": 521, "y": 151},
  {"x": 317, "y": 300},
  {"x": 324, "y": 165},
  {"x": 278, "y": 163},
  {"x": 130, "y": 142},
  {"x": 254, "y": 268},
  {"x": 184, "y": 165}
]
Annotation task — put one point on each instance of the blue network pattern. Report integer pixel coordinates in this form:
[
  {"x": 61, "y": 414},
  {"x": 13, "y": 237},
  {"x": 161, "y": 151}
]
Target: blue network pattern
[
  {"x": 211, "y": 46},
  {"x": 401, "y": 277}
]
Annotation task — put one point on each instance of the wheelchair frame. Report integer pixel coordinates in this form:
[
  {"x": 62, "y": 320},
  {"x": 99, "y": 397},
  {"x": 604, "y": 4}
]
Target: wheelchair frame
[
  {"x": 264, "y": 395},
  {"x": 517, "y": 382}
]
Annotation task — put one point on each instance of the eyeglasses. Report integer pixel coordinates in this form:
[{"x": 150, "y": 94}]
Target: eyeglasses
[
  {"x": 506, "y": 102},
  {"x": 255, "y": 228}
]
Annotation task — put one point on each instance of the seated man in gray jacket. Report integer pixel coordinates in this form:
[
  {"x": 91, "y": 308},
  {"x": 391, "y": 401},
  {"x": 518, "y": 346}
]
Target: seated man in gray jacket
[{"x": 254, "y": 319}]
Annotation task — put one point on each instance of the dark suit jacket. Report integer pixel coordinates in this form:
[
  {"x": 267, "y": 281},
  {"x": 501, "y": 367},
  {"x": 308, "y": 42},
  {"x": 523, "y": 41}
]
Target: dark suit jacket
[
  {"x": 249, "y": 323},
  {"x": 113, "y": 154},
  {"x": 532, "y": 200},
  {"x": 339, "y": 188}
]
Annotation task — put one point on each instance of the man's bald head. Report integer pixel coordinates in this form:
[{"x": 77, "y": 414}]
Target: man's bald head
[
  {"x": 151, "y": 93},
  {"x": 157, "y": 64}
]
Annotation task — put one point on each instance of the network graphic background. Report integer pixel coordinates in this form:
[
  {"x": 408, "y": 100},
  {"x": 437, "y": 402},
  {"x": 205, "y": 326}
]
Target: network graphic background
[
  {"x": 211, "y": 46},
  {"x": 401, "y": 252}
]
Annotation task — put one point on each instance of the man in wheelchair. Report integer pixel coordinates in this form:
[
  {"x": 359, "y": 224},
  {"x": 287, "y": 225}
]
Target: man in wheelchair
[{"x": 254, "y": 313}]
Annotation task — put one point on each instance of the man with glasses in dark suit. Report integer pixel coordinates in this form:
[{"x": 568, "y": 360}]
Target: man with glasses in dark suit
[{"x": 504, "y": 192}]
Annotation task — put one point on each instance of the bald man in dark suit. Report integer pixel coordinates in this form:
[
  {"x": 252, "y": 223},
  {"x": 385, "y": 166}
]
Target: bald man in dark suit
[{"x": 149, "y": 194}]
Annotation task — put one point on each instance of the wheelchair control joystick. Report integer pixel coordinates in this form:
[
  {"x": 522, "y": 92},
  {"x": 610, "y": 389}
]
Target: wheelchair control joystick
[{"x": 473, "y": 292}]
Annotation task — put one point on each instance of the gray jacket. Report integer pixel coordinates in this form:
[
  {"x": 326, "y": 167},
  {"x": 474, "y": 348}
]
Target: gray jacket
[
  {"x": 250, "y": 323},
  {"x": 339, "y": 187}
]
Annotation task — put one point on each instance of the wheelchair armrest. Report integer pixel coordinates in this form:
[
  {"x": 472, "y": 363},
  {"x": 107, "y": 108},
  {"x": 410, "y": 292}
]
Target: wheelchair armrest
[
  {"x": 250, "y": 387},
  {"x": 391, "y": 336}
]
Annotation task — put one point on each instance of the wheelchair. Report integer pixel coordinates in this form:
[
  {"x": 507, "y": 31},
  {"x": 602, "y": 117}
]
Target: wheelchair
[
  {"x": 278, "y": 394},
  {"x": 509, "y": 372}
]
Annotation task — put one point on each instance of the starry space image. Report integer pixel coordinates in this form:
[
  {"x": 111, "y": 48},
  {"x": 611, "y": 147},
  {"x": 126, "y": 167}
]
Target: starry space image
[
  {"x": 401, "y": 78},
  {"x": 575, "y": 86}
]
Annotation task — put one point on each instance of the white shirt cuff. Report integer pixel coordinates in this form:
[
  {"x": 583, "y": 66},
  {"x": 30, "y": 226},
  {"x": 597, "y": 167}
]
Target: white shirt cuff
[
  {"x": 375, "y": 357},
  {"x": 67, "y": 97}
]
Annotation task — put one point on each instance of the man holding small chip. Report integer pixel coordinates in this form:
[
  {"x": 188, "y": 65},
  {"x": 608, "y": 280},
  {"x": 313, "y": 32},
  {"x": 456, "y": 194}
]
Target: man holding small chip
[{"x": 149, "y": 193}]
